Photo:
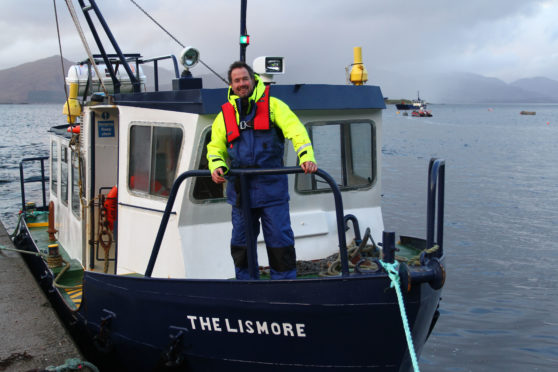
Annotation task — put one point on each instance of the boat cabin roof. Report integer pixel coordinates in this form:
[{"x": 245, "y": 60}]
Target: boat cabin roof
[{"x": 297, "y": 96}]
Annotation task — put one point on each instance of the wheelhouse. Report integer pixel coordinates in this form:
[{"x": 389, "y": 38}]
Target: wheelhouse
[{"x": 142, "y": 141}]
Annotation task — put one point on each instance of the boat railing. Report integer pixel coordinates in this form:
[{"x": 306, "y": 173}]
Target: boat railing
[
  {"x": 155, "y": 61},
  {"x": 435, "y": 206},
  {"x": 356, "y": 226},
  {"x": 42, "y": 178},
  {"x": 244, "y": 175}
]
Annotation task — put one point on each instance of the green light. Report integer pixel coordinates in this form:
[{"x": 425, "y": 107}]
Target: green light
[{"x": 244, "y": 39}]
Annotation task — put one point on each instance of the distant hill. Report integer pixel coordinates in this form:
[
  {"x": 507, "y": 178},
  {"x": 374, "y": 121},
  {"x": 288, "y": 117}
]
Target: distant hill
[
  {"x": 39, "y": 81},
  {"x": 473, "y": 88},
  {"x": 540, "y": 85},
  {"x": 465, "y": 88},
  {"x": 42, "y": 81}
]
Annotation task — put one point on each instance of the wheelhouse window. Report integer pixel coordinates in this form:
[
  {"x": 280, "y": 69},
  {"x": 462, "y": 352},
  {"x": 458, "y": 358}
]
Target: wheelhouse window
[
  {"x": 343, "y": 149},
  {"x": 204, "y": 187},
  {"x": 154, "y": 154},
  {"x": 64, "y": 175},
  {"x": 54, "y": 168},
  {"x": 75, "y": 185}
]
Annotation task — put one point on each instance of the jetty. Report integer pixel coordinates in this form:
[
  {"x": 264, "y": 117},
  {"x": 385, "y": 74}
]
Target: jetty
[{"x": 33, "y": 338}]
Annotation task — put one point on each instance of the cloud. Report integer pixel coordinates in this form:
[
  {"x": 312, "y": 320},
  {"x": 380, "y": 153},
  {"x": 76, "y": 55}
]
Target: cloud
[{"x": 505, "y": 39}]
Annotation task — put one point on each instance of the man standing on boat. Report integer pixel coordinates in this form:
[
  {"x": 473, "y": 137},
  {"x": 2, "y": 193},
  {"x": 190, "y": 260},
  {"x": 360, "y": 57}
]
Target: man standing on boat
[{"x": 249, "y": 133}]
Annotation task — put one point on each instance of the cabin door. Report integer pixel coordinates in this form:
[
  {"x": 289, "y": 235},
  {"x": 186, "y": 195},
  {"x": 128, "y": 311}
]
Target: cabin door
[{"x": 104, "y": 175}]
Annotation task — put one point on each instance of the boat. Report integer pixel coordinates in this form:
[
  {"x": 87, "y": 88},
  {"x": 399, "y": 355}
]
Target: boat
[
  {"x": 421, "y": 113},
  {"x": 415, "y": 104},
  {"x": 404, "y": 106},
  {"x": 129, "y": 238},
  {"x": 528, "y": 112}
]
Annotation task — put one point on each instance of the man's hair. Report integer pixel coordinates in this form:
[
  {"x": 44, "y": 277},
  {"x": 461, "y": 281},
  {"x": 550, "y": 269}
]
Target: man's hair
[{"x": 240, "y": 64}]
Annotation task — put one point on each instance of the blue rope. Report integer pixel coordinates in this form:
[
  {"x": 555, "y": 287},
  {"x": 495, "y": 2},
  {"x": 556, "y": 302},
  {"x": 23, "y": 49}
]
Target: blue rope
[
  {"x": 393, "y": 273},
  {"x": 72, "y": 364}
]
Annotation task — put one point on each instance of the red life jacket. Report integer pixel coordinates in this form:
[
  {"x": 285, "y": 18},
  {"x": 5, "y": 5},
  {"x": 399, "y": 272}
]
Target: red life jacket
[
  {"x": 261, "y": 120},
  {"x": 110, "y": 205}
]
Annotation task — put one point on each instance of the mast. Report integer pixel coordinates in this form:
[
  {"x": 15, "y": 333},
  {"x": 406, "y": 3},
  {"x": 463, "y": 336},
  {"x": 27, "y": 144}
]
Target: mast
[
  {"x": 116, "y": 83},
  {"x": 244, "y": 37}
]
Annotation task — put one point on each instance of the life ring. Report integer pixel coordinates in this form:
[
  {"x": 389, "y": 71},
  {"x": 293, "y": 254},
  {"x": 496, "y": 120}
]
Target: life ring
[{"x": 110, "y": 206}]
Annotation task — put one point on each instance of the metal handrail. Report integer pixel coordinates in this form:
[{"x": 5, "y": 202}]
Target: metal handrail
[
  {"x": 245, "y": 202},
  {"x": 435, "y": 209},
  {"x": 356, "y": 227},
  {"x": 42, "y": 180},
  {"x": 155, "y": 61}
]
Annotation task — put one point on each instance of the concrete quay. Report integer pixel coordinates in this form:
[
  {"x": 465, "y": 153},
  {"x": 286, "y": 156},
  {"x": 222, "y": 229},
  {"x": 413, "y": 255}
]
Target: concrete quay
[{"x": 32, "y": 336}]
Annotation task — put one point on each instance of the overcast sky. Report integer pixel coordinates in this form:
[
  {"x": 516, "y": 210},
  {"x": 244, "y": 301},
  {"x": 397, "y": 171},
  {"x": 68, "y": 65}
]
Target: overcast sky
[{"x": 506, "y": 39}]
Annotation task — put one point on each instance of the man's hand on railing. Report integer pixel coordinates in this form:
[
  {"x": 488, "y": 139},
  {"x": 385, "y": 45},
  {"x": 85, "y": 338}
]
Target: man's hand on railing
[
  {"x": 217, "y": 175},
  {"x": 309, "y": 167}
]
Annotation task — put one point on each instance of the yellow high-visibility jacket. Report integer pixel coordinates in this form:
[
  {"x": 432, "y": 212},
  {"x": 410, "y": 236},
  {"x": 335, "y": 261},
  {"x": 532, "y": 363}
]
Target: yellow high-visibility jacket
[{"x": 280, "y": 115}]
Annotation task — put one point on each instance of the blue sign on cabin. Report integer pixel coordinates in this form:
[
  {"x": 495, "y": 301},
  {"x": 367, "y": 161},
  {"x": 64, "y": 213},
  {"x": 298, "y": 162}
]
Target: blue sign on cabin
[{"x": 106, "y": 128}]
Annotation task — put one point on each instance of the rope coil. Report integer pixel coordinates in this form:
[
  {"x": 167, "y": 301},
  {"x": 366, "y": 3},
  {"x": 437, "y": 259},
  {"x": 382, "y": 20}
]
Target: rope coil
[{"x": 54, "y": 261}]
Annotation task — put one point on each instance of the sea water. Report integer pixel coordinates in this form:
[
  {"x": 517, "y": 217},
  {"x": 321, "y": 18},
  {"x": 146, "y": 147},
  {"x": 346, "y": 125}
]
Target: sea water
[
  {"x": 499, "y": 308},
  {"x": 23, "y": 134}
]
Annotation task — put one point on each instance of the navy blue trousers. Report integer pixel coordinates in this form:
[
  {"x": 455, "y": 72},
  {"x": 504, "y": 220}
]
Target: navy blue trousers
[{"x": 278, "y": 236}]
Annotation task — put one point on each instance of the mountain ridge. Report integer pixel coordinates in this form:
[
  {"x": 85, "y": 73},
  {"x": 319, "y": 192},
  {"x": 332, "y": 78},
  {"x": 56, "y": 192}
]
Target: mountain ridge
[{"x": 42, "y": 81}]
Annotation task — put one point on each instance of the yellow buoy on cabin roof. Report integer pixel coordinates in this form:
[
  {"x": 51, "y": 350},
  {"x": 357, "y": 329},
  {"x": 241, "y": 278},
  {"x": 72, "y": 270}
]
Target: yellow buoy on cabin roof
[
  {"x": 72, "y": 107},
  {"x": 359, "y": 75}
]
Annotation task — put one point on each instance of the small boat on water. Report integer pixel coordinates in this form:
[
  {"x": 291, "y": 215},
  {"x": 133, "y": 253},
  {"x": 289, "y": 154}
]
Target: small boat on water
[
  {"x": 528, "y": 113},
  {"x": 130, "y": 237},
  {"x": 421, "y": 113}
]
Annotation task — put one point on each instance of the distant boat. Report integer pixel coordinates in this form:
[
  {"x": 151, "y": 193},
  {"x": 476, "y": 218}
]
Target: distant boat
[
  {"x": 416, "y": 104},
  {"x": 404, "y": 106},
  {"x": 528, "y": 112},
  {"x": 422, "y": 113}
]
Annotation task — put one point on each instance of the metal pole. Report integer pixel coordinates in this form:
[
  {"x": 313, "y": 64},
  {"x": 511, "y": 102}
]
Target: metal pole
[
  {"x": 92, "y": 194},
  {"x": 43, "y": 182},
  {"x": 156, "y": 75},
  {"x": 243, "y": 6},
  {"x": 440, "y": 214},
  {"x": 133, "y": 79},
  {"x": 115, "y": 81},
  {"x": 430, "y": 206},
  {"x": 388, "y": 246},
  {"x": 93, "y": 6},
  {"x": 22, "y": 181},
  {"x": 435, "y": 211}
]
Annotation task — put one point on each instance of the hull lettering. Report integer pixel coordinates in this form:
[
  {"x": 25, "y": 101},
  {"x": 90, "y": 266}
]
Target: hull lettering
[{"x": 246, "y": 326}]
